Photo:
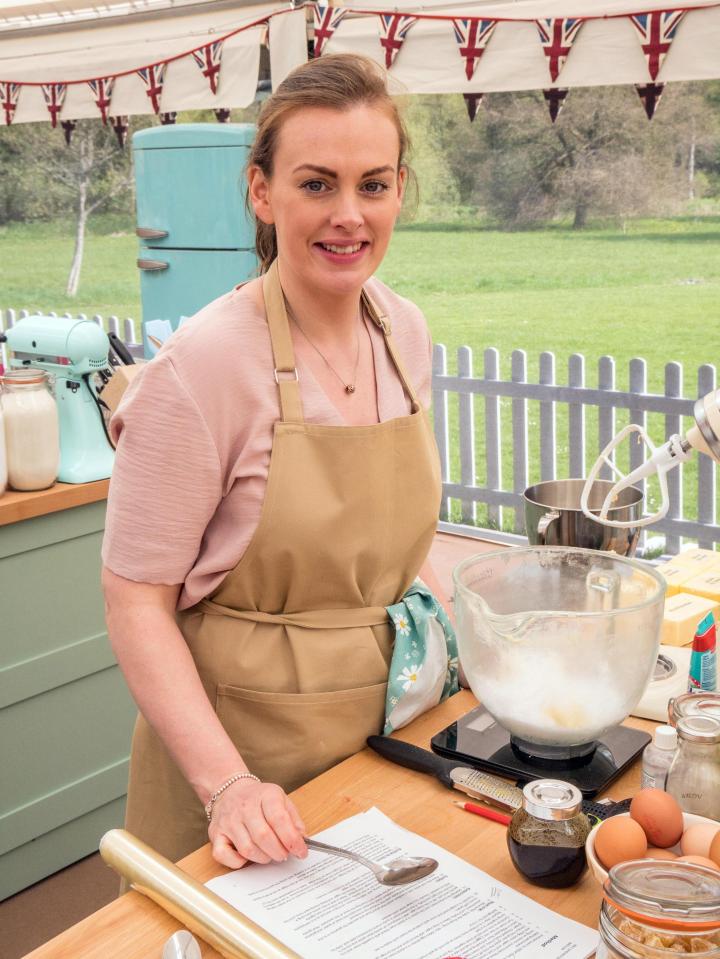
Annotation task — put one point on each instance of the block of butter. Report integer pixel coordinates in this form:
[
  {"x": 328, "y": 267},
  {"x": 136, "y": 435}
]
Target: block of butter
[
  {"x": 683, "y": 612},
  {"x": 675, "y": 576},
  {"x": 697, "y": 559},
  {"x": 705, "y": 584}
]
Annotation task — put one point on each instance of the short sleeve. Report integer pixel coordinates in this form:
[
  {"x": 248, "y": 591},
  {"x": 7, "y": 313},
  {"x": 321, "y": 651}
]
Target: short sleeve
[{"x": 166, "y": 482}]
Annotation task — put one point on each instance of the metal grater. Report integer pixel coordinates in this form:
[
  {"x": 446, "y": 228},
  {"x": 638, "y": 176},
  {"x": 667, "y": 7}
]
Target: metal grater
[{"x": 489, "y": 789}]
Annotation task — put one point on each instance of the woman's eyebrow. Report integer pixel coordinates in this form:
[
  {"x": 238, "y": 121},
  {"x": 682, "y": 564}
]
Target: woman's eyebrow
[{"x": 327, "y": 172}]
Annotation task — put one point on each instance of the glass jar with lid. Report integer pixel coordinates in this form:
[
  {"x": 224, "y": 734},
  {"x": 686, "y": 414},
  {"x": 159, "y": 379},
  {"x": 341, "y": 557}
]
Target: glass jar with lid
[
  {"x": 693, "y": 704},
  {"x": 32, "y": 429},
  {"x": 546, "y": 836},
  {"x": 655, "y": 909},
  {"x": 694, "y": 776}
]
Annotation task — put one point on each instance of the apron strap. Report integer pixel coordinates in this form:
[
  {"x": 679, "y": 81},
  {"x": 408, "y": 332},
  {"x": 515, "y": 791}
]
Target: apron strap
[
  {"x": 310, "y": 619},
  {"x": 381, "y": 319},
  {"x": 286, "y": 374}
]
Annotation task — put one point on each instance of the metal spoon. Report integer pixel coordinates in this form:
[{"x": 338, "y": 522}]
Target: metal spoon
[
  {"x": 398, "y": 872},
  {"x": 182, "y": 945}
]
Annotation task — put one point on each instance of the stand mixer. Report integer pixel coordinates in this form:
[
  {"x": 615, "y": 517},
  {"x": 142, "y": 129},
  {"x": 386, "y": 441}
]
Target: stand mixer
[
  {"x": 73, "y": 351},
  {"x": 704, "y": 437}
]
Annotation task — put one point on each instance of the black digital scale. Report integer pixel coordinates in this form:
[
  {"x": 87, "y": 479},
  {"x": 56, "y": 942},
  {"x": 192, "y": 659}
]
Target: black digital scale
[{"x": 477, "y": 740}]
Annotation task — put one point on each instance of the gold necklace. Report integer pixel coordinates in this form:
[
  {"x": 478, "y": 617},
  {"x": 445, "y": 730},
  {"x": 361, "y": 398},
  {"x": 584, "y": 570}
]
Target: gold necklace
[{"x": 349, "y": 387}]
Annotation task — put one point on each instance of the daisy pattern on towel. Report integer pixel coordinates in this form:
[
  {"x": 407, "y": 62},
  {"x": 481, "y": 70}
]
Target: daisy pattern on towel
[{"x": 409, "y": 675}]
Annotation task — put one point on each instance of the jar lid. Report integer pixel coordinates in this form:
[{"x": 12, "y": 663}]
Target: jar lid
[
  {"x": 551, "y": 799},
  {"x": 24, "y": 376},
  {"x": 699, "y": 729},
  {"x": 677, "y": 895},
  {"x": 694, "y": 704}
]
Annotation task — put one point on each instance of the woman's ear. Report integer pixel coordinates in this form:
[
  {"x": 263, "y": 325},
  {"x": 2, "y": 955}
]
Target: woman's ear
[
  {"x": 402, "y": 177},
  {"x": 259, "y": 193}
]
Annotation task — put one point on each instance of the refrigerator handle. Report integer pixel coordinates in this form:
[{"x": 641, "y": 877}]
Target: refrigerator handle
[
  {"x": 147, "y": 233},
  {"x": 152, "y": 266}
]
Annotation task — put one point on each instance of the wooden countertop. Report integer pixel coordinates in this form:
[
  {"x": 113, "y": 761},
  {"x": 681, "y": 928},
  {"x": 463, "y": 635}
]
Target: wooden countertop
[
  {"x": 133, "y": 927},
  {"x": 15, "y": 506}
]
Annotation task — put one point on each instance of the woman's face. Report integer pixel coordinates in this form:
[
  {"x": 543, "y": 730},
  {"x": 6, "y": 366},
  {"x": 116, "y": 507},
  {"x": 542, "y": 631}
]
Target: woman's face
[{"x": 334, "y": 195}]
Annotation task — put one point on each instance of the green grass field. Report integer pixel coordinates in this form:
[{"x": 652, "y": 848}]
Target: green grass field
[{"x": 651, "y": 290}]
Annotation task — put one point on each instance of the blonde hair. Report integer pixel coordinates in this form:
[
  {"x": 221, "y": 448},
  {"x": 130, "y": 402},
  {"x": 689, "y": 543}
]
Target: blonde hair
[{"x": 338, "y": 81}]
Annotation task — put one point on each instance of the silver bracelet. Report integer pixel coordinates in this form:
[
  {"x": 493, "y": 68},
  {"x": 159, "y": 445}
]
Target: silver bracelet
[{"x": 218, "y": 792}]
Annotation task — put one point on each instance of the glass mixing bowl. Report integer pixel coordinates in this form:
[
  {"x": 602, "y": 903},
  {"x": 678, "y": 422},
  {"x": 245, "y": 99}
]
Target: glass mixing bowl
[{"x": 557, "y": 643}]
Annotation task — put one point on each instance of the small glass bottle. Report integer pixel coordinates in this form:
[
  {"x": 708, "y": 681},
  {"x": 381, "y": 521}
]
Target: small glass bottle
[
  {"x": 32, "y": 429},
  {"x": 660, "y": 910},
  {"x": 694, "y": 776},
  {"x": 546, "y": 836},
  {"x": 657, "y": 758}
]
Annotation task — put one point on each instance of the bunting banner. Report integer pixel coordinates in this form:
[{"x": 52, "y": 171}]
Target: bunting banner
[
  {"x": 9, "y": 94},
  {"x": 325, "y": 20},
  {"x": 472, "y": 36},
  {"x": 120, "y": 125},
  {"x": 153, "y": 78},
  {"x": 472, "y": 102},
  {"x": 208, "y": 60},
  {"x": 650, "y": 94},
  {"x": 555, "y": 99},
  {"x": 54, "y": 94},
  {"x": 102, "y": 89},
  {"x": 657, "y": 32},
  {"x": 557, "y": 36},
  {"x": 394, "y": 28}
]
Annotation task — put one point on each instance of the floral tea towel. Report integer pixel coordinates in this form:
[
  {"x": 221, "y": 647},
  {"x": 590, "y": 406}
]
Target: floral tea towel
[{"x": 424, "y": 667}]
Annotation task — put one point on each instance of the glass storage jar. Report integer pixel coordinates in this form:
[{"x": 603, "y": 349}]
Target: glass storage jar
[
  {"x": 694, "y": 776},
  {"x": 3, "y": 456},
  {"x": 546, "y": 836},
  {"x": 655, "y": 909},
  {"x": 693, "y": 704},
  {"x": 32, "y": 430}
]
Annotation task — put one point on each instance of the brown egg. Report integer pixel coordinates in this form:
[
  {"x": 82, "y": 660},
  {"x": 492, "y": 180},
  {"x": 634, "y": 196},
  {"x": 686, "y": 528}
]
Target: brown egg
[
  {"x": 700, "y": 860},
  {"x": 618, "y": 839},
  {"x": 715, "y": 848},
  {"x": 697, "y": 839},
  {"x": 654, "y": 853},
  {"x": 659, "y": 815}
]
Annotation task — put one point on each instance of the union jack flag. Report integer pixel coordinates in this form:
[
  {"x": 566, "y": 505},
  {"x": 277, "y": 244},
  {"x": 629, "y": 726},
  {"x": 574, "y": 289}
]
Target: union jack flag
[
  {"x": 326, "y": 20},
  {"x": 153, "y": 78},
  {"x": 102, "y": 89},
  {"x": 650, "y": 95},
  {"x": 9, "y": 93},
  {"x": 394, "y": 27},
  {"x": 657, "y": 31},
  {"x": 208, "y": 59},
  {"x": 54, "y": 94},
  {"x": 472, "y": 36},
  {"x": 472, "y": 102},
  {"x": 557, "y": 36},
  {"x": 555, "y": 99}
]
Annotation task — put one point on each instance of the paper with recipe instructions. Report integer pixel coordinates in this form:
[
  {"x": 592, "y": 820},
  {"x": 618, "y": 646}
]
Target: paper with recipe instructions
[{"x": 328, "y": 908}]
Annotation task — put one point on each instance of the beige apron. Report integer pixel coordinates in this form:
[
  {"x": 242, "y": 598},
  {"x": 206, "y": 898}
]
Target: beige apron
[{"x": 293, "y": 647}]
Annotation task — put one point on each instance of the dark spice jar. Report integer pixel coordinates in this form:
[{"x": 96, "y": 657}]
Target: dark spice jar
[{"x": 546, "y": 836}]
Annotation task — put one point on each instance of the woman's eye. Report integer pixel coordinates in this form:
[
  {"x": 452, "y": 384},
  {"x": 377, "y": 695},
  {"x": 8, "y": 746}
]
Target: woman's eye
[
  {"x": 313, "y": 186},
  {"x": 375, "y": 186}
]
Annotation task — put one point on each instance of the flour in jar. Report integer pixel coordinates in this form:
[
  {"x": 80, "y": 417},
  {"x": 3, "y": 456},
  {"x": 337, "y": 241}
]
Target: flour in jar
[{"x": 32, "y": 433}]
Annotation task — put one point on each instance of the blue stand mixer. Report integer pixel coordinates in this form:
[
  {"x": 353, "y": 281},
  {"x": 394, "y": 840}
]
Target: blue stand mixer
[{"x": 73, "y": 351}]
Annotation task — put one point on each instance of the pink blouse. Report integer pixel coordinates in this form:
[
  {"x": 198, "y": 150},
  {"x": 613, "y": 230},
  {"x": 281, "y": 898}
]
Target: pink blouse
[{"x": 194, "y": 436}]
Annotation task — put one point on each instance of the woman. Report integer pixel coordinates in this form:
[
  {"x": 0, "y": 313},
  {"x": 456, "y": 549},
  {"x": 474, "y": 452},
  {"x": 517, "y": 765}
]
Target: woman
[{"x": 276, "y": 487}]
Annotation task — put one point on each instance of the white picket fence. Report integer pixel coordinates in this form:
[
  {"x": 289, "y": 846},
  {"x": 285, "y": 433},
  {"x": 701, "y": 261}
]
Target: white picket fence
[{"x": 474, "y": 405}]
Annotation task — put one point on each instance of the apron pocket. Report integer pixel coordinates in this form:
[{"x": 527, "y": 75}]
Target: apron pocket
[{"x": 289, "y": 738}]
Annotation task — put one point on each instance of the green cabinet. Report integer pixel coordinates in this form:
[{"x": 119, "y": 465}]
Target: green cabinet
[{"x": 66, "y": 716}]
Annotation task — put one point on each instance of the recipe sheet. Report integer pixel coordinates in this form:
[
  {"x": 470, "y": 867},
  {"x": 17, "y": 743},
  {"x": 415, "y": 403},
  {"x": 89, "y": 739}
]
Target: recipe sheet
[{"x": 328, "y": 908}]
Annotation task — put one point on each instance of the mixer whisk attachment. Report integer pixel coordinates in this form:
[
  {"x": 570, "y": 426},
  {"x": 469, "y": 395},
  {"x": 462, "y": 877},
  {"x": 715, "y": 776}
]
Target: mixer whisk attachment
[{"x": 703, "y": 436}]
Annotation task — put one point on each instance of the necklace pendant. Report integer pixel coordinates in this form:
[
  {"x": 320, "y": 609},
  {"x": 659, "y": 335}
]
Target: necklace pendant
[{"x": 350, "y": 388}]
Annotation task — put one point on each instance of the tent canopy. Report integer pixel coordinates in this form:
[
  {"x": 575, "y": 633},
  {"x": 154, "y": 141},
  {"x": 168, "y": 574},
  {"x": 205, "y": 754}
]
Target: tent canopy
[{"x": 206, "y": 53}]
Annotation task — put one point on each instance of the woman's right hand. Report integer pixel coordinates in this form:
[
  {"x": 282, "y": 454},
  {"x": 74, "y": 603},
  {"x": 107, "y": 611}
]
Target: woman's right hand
[{"x": 255, "y": 822}]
